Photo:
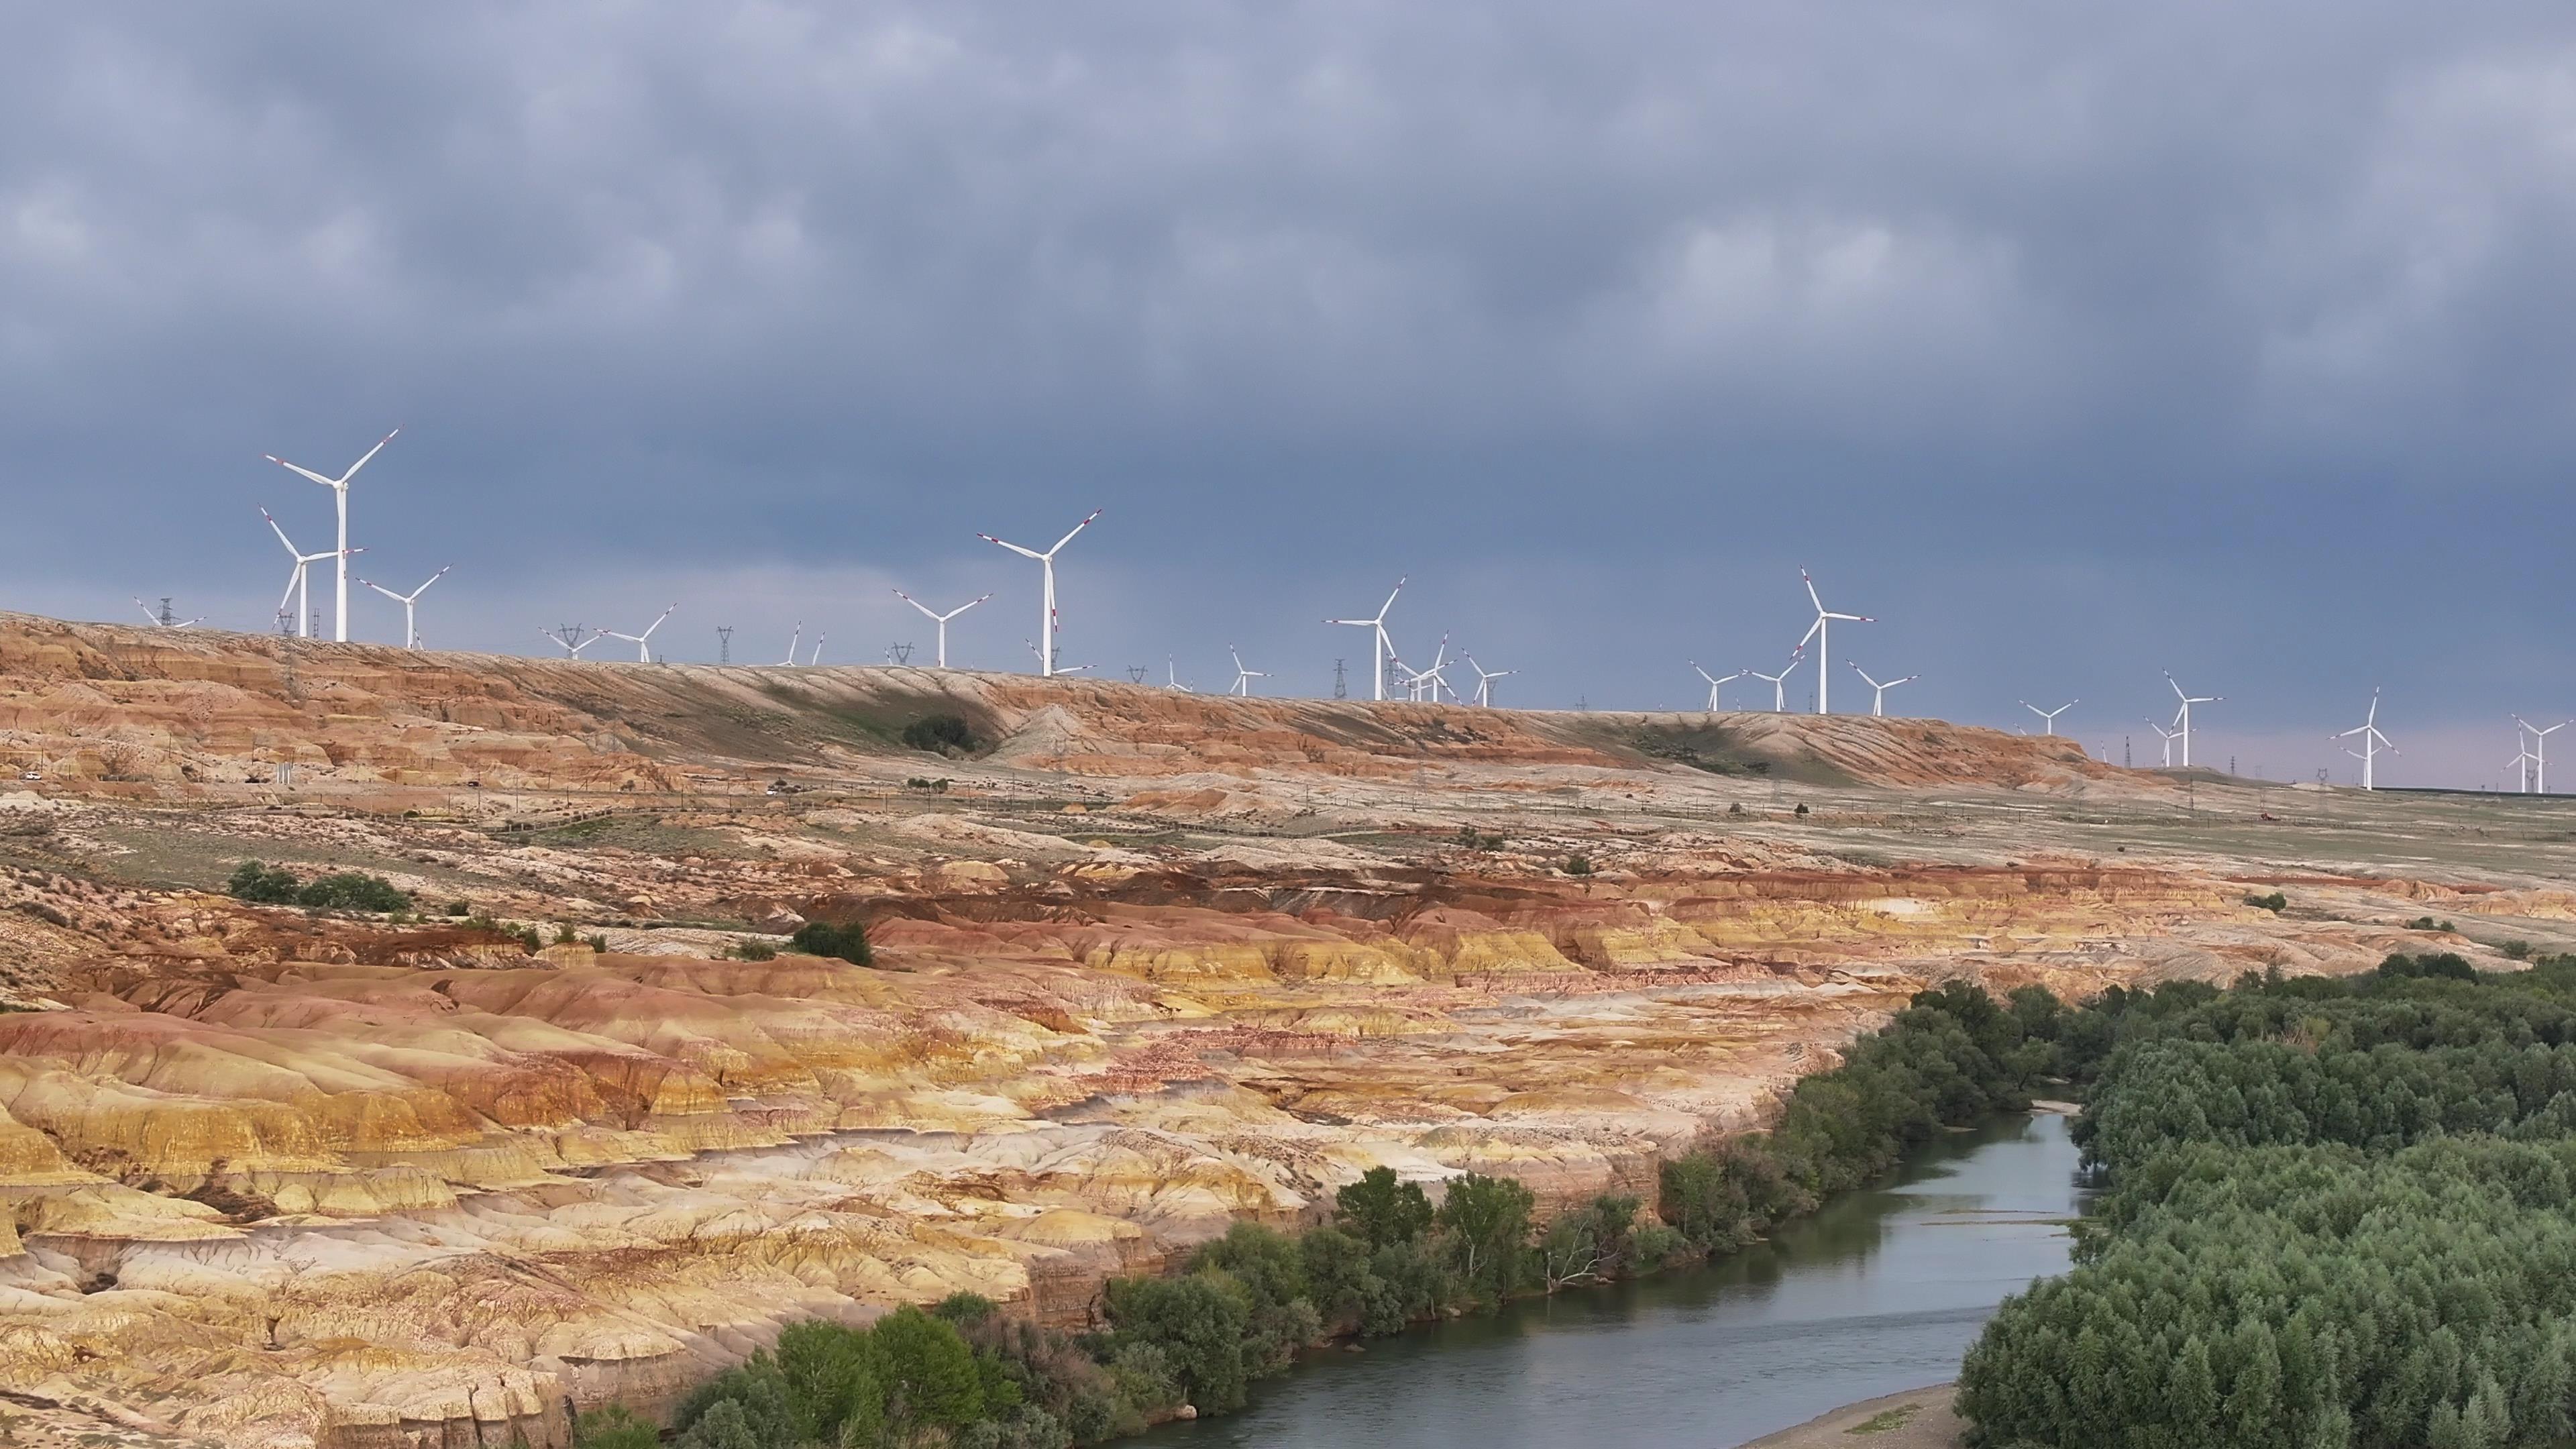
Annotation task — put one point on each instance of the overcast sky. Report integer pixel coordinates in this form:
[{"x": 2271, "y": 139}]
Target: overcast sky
[{"x": 2075, "y": 343}]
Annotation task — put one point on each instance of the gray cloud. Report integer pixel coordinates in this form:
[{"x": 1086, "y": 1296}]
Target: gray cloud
[{"x": 2084, "y": 344}]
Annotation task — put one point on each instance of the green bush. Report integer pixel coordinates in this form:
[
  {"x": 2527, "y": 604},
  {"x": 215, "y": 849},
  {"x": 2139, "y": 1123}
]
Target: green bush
[
  {"x": 2275, "y": 902},
  {"x": 752, "y": 948},
  {"x": 940, "y": 734},
  {"x": 613, "y": 1426},
  {"x": 1578, "y": 865},
  {"x": 842, "y": 943},
  {"x": 350, "y": 891},
  {"x": 263, "y": 885},
  {"x": 459, "y": 908},
  {"x": 2516, "y": 950}
]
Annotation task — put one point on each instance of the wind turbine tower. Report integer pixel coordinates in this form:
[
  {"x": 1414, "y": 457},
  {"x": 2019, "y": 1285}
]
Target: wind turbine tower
[
  {"x": 1713, "y": 682},
  {"x": 298, "y": 583},
  {"x": 1046, "y": 601},
  {"x": 2372, "y": 742},
  {"x": 340, "y": 492},
  {"x": 1878, "y": 701},
  {"x": 2182, "y": 718},
  {"x": 792, "y": 641},
  {"x": 1779, "y": 686},
  {"x": 643, "y": 650},
  {"x": 411, "y": 625},
  {"x": 2540, "y": 751},
  {"x": 1385, "y": 648},
  {"x": 1242, "y": 677},
  {"x": 1818, "y": 631},
  {"x": 2048, "y": 717},
  {"x": 942, "y": 619}
]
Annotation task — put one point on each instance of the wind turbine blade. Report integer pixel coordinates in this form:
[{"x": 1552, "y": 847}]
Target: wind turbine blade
[
  {"x": 1811, "y": 631},
  {"x": 1809, "y": 580},
  {"x": 1077, "y": 528},
  {"x": 433, "y": 578},
  {"x": 371, "y": 452},
  {"x": 280, "y": 532},
  {"x": 1013, "y": 547},
  {"x": 307, "y": 472}
]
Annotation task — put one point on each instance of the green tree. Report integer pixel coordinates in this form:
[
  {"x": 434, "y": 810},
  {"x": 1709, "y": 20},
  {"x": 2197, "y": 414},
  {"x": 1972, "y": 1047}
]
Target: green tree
[
  {"x": 929, "y": 1375},
  {"x": 833, "y": 1385},
  {"x": 1198, "y": 1322},
  {"x": 1486, "y": 1221},
  {"x": 613, "y": 1426},
  {"x": 724, "y": 1426},
  {"x": 1380, "y": 1210}
]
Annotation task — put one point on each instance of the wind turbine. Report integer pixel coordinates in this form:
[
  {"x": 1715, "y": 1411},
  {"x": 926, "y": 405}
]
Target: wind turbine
[
  {"x": 1064, "y": 669},
  {"x": 1173, "y": 676},
  {"x": 340, "y": 491},
  {"x": 792, "y": 641},
  {"x": 411, "y": 629},
  {"x": 1485, "y": 680},
  {"x": 2048, "y": 717},
  {"x": 296, "y": 582},
  {"x": 941, "y": 619},
  {"x": 1878, "y": 702},
  {"x": 1243, "y": 677},
  {"x": 1046, "y": 603},
  {"x": 1824, "y": 642},
  {"x": 2168, "y": 736},
  {"x": 1714, "y": 682},
  {"x": 2372, "y": 741},
  {"x": 1422, "y": 684},
  {"x": 1779, "y": 689},
  {"x": 2522, "y": 755},
  {"x": 1384, "y": 649},
  {"x": 566, "y": 636},
  {"x": 2540, "y": 751},
  {"x": 817, "y": 656},
  {"x": 161, "y": 618},
  {"x": 2183, "y": 717},
  {"x": 643, "y": 651}
]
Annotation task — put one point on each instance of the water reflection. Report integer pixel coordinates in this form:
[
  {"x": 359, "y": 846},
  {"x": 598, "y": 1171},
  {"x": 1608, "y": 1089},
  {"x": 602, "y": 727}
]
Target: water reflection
[{"x": 1880, "y": 1292}]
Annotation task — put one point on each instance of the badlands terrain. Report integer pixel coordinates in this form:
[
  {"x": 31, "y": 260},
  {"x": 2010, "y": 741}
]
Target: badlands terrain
[{"x": 1145, "y": 962}]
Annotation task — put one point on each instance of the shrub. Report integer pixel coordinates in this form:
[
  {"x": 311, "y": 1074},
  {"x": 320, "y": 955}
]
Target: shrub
[
  {"x": 940, "y": 734},
  {"x": 564, "y": 933},
  {"x": 841, "y": 943},
  {"x": 459, "y": 908},
  {"x": 350, "y": 891},
  {"x": 1578, "y": 865},
  {"x": 613, "y": 1426},
  {"x": 2517, "y": 950},
  {"x": 2275, "y": 902},
  {"x": 752, "y": 948},
  {"x": 1800, "y": 812},
  {"x": 263, "y": 885}
]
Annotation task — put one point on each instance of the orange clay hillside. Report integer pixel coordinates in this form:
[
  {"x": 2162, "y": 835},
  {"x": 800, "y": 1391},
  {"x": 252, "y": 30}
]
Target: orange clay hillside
[{"x": 580, "y": 1127}]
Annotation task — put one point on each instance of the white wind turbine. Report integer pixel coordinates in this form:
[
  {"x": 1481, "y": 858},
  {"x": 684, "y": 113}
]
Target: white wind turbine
[
  {"x": 1172, "y": 675},
  {"x": 2183, "y": 716},
  {"x": 1383, "y": 648},
  {"x": 817, "y": 656},
  {"x": 643, "y": 650},
  {"x": 2540, "y": 751},
  {"x": 1426, "y": 684},
  {"x": 340, "y": 491},
  {"x": 941, "y": 619},
  {"x": 2522, "y": 755},
  {"x": 1824, "y": 642},
  {"x": 792, "y": 641},
  {"x": 2048, "y": 717},
  {"x": 1242, "y": 677},
  {"x": 411, "y": 626},
  {"x": 2372, "y": 742},
  {"x": 567, "y": 644},
  {"x": 1878, "y": 702},
  {"x": 159, "y": 617},
  {"x": 1714, "y": 681},
  {"x": 297, "y": 586},
  {"x": 1485, "y": 680},
  {"x": 1778, "y": 682},
  {"x": 2168, "y": 736},
  {"x": 1060, "y": 669},
  {"x": 1046, "y": 601}
]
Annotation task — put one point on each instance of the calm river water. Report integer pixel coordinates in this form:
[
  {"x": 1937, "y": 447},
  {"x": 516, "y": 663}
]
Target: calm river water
[{"x": 1880, "y": 1292}]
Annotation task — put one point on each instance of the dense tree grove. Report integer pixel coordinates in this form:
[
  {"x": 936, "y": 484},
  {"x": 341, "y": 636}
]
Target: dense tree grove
[
  {"x": 966, "y": 1376},
  {"x": 2339, "y": 1213}
]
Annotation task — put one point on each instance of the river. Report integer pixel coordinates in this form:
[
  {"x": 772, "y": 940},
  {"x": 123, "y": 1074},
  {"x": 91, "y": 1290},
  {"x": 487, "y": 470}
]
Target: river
[{"x": 1880, "y": 1292}]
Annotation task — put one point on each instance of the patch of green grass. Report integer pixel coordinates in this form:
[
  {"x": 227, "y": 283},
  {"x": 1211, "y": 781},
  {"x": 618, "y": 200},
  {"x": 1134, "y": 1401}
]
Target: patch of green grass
[{"x": 1886, "y": 1419}]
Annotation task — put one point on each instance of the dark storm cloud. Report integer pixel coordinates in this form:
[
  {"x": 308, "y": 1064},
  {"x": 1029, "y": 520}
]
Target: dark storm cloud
[{"x": 2087, "y": 341}]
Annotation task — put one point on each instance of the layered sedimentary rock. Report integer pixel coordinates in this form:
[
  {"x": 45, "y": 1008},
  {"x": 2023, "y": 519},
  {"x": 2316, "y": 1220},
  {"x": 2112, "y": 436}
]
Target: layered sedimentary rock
[{"x": 1144, "y": 964}]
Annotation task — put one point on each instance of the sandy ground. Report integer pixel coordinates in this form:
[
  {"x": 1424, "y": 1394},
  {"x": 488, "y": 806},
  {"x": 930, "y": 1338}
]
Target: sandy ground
[{"x": 1916, "y": 1419}]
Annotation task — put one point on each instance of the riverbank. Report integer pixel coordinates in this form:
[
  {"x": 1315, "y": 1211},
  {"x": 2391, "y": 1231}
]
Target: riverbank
[{"x": 1925, "y": 1418}]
